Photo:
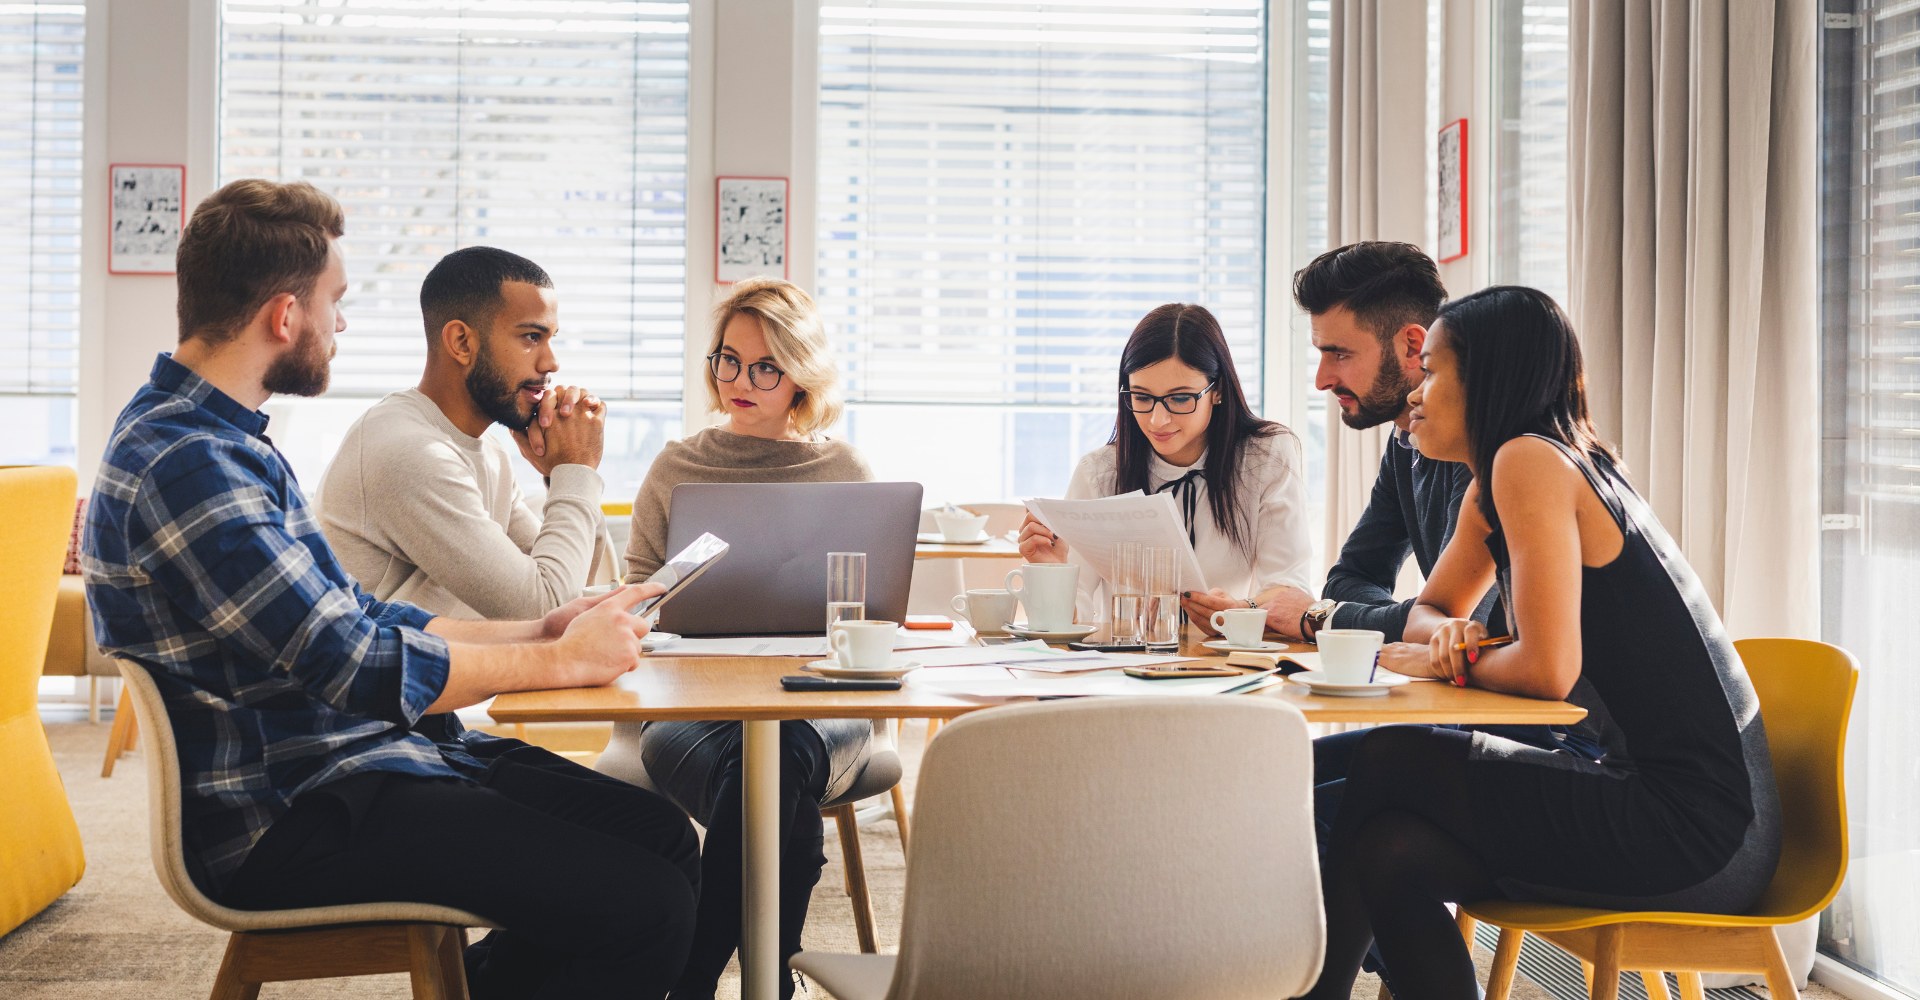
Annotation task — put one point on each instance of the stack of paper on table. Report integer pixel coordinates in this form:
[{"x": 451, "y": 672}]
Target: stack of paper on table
[
  {"x": 960, "y": 635},
  {"x": 1005, "y": 682},
  {"x": 1038, "y": 656},
  {"x": 1095, "y": 528}
]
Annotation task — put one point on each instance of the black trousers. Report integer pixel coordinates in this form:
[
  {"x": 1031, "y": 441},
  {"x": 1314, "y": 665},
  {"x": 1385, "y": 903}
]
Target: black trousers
[
  {"x": 699, "y": 765},
  {"x": 594, "y": 881}
]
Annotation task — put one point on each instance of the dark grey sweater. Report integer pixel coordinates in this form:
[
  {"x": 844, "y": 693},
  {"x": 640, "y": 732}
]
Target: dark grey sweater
[{"x": 1414, "y": 508}]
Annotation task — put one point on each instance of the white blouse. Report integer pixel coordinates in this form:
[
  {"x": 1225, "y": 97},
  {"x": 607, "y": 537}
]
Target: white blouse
[{"x": 1273, "y": 495}]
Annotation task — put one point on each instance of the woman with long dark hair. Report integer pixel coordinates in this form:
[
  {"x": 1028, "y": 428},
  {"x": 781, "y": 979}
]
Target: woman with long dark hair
[
  {"x": 1184, "y": 427},
  {"x": 1678, "y": 811}
]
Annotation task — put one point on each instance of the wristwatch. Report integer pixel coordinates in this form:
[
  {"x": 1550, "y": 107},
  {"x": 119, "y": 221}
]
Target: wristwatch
[{"x": 1316, "y": 617}]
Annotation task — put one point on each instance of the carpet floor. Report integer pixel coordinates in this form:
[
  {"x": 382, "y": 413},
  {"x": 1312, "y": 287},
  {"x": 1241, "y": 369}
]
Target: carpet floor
[{"x": 116, "y": 936}]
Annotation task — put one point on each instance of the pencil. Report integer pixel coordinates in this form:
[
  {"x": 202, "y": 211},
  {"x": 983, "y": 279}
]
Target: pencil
[{"x": 1461, "y": 647}]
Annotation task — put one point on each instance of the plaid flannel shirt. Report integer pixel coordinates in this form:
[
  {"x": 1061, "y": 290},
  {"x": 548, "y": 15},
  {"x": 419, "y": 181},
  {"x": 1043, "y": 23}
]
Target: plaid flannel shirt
[{"x": 204, "y": 563}]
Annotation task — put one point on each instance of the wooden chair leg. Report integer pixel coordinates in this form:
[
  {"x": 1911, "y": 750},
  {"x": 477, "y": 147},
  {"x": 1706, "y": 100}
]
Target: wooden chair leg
[
  {"x": 1779, "y": 978},
  {"x": 1691, "y": 988},
  {"x": 856, "y": 868},
  {"x": 1656, "y": 984},
  {"x": 1506, "y": 958},
  {"x": 933, "y": 726},
  {"x": 227, "y": 984},
  {"x": 1466, "y": 925},
  {"x": 453, "y": 962},
  {"x": 1384, "y": 994},
  {"x": 120, "y": 737},
  {"x": 93, "y": 699},
  {"x": 425, "y": 942},
  {"x": 900, "y": 815},
  {"x": 1606, "y": 964}
]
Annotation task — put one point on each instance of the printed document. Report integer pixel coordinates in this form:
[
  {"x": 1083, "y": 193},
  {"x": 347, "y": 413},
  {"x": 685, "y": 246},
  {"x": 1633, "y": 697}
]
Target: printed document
[{"x": 1095, "y": 528}]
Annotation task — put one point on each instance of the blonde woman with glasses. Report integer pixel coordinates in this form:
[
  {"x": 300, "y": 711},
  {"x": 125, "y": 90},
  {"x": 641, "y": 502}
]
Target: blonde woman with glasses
[{"x": 769, "y": 369}]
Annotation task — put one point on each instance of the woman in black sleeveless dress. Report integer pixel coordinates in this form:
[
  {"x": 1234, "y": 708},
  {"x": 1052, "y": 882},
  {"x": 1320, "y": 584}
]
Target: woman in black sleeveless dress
[{"x": 1678, "y": 813}]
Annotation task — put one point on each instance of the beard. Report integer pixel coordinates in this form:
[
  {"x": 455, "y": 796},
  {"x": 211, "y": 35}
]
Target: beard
[
  {"x": 303, "y": 371},
  {"x": 1385, "y": 401},
  {"x": 495, "y": 395}
]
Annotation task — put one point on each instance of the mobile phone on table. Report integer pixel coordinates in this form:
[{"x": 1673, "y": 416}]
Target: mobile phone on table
[
  {"x": 1172, "y": 673},
  {"x": 1108, "y": 647},
  {"x": 802, "y": 682},
  {"x": 684, "y": 568}
]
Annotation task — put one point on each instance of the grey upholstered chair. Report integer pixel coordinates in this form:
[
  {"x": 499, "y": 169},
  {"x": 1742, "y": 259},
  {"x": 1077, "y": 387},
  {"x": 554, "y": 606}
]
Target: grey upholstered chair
[{"x": 1083, "y": 850}]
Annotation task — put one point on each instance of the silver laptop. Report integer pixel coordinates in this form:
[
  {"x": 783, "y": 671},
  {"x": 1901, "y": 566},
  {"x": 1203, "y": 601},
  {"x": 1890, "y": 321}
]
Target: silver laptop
[{"x": 773, "y": 579}]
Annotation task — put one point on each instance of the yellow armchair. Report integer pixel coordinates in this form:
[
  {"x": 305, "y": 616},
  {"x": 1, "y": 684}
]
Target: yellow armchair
[{"x": 40, "y": 855}]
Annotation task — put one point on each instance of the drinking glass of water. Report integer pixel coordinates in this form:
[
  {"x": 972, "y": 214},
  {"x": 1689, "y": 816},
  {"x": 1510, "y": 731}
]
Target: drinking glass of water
[
  {"x": 846, "y": 587},
  {"x": 1160, "y": 618},
  {"x": 1126, "y": 592}
]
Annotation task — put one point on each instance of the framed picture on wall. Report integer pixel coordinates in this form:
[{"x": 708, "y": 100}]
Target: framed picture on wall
[
  {"x": 1452, "y": 229},
  {"x": 750, "y": 233},
  {"x": 145, "y": 215}
]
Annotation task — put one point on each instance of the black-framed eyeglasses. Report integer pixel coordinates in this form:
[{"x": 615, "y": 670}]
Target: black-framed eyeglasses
[
  {"x": 1175, "y": 402},
  {"x": 726, "y": 368}
]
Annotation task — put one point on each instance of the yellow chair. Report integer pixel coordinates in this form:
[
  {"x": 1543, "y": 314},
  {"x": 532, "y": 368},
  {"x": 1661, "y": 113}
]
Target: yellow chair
[
  {"x": 40, "y": 854},
  {"x": 1806, "y": 692}
]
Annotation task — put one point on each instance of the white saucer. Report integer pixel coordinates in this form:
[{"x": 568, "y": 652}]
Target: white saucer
[
  {"x": 1067, "y": 634},
  {"x": 1226, "y": 647},
  {"x": 654, "y": 640},
  {"x": 935, "y": 538},
  {"x": 832, "y": 668},
  {"x": 1316, "y": 681}
]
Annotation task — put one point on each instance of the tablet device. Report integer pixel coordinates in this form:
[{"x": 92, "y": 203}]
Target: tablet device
[{"x": 685, "y": 567}]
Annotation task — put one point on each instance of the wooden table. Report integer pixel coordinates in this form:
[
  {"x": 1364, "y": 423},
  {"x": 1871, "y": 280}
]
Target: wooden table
[{"x": 748, "y": 689}]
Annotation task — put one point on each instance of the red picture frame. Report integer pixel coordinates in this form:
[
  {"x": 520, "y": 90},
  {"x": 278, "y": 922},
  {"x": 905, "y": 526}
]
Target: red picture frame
[
  {"x": 146, "y": 213},
  {"x": 1451, "y": 232},
  {"x": 746, "y": 212}
]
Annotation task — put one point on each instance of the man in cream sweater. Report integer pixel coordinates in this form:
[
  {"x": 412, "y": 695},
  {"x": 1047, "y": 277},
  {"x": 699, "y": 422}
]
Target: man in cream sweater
[{"x": 422, "y": 508}]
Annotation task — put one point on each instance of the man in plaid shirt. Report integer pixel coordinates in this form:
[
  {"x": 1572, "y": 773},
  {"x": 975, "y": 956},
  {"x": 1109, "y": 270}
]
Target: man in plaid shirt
[{"x": 293, "y": 695}]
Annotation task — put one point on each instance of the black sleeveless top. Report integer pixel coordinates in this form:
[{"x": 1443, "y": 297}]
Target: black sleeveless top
[{"x": 1679, "y": 716}]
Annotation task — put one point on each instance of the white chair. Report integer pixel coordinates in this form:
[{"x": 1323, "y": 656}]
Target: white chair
[
  {"x": 937, "y": 581},
  {"x": 880, "y": 776},
  {"x": 1150, "y": 847},
  {"x": 320, "y": 942}
]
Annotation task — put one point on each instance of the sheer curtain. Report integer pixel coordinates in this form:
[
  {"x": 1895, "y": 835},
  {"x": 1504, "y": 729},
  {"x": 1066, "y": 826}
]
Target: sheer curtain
[
  {"x": 1692, "y": 177},
  {"x": 1376, "y": 190}
]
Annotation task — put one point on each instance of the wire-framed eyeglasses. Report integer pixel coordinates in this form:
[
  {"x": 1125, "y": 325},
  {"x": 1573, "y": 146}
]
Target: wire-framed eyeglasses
[
  {"x": 1175, "y": 402},
  {"x": 726, "y": 368}
]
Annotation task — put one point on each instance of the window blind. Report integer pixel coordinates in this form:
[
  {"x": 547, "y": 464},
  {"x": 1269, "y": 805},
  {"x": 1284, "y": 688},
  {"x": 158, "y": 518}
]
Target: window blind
[
  {"x": 40, "y": 183},
  {"x": 556, "y": 129},
  {"x": 1885, "y": 413},
  {"x": 1006, "y": 188},
  {"x": 1530, "y": 215}
]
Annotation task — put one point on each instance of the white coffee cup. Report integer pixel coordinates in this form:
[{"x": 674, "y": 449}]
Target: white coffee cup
[
  {"x": 862, "y": 645},
  {"x": 988, "y": 610},
  {"x": 1240, "y": 626},
  {"x": 1347, "y": 655},
  {"x": 961, "y": 527},
  {"x": 1047, "y": 590}
]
